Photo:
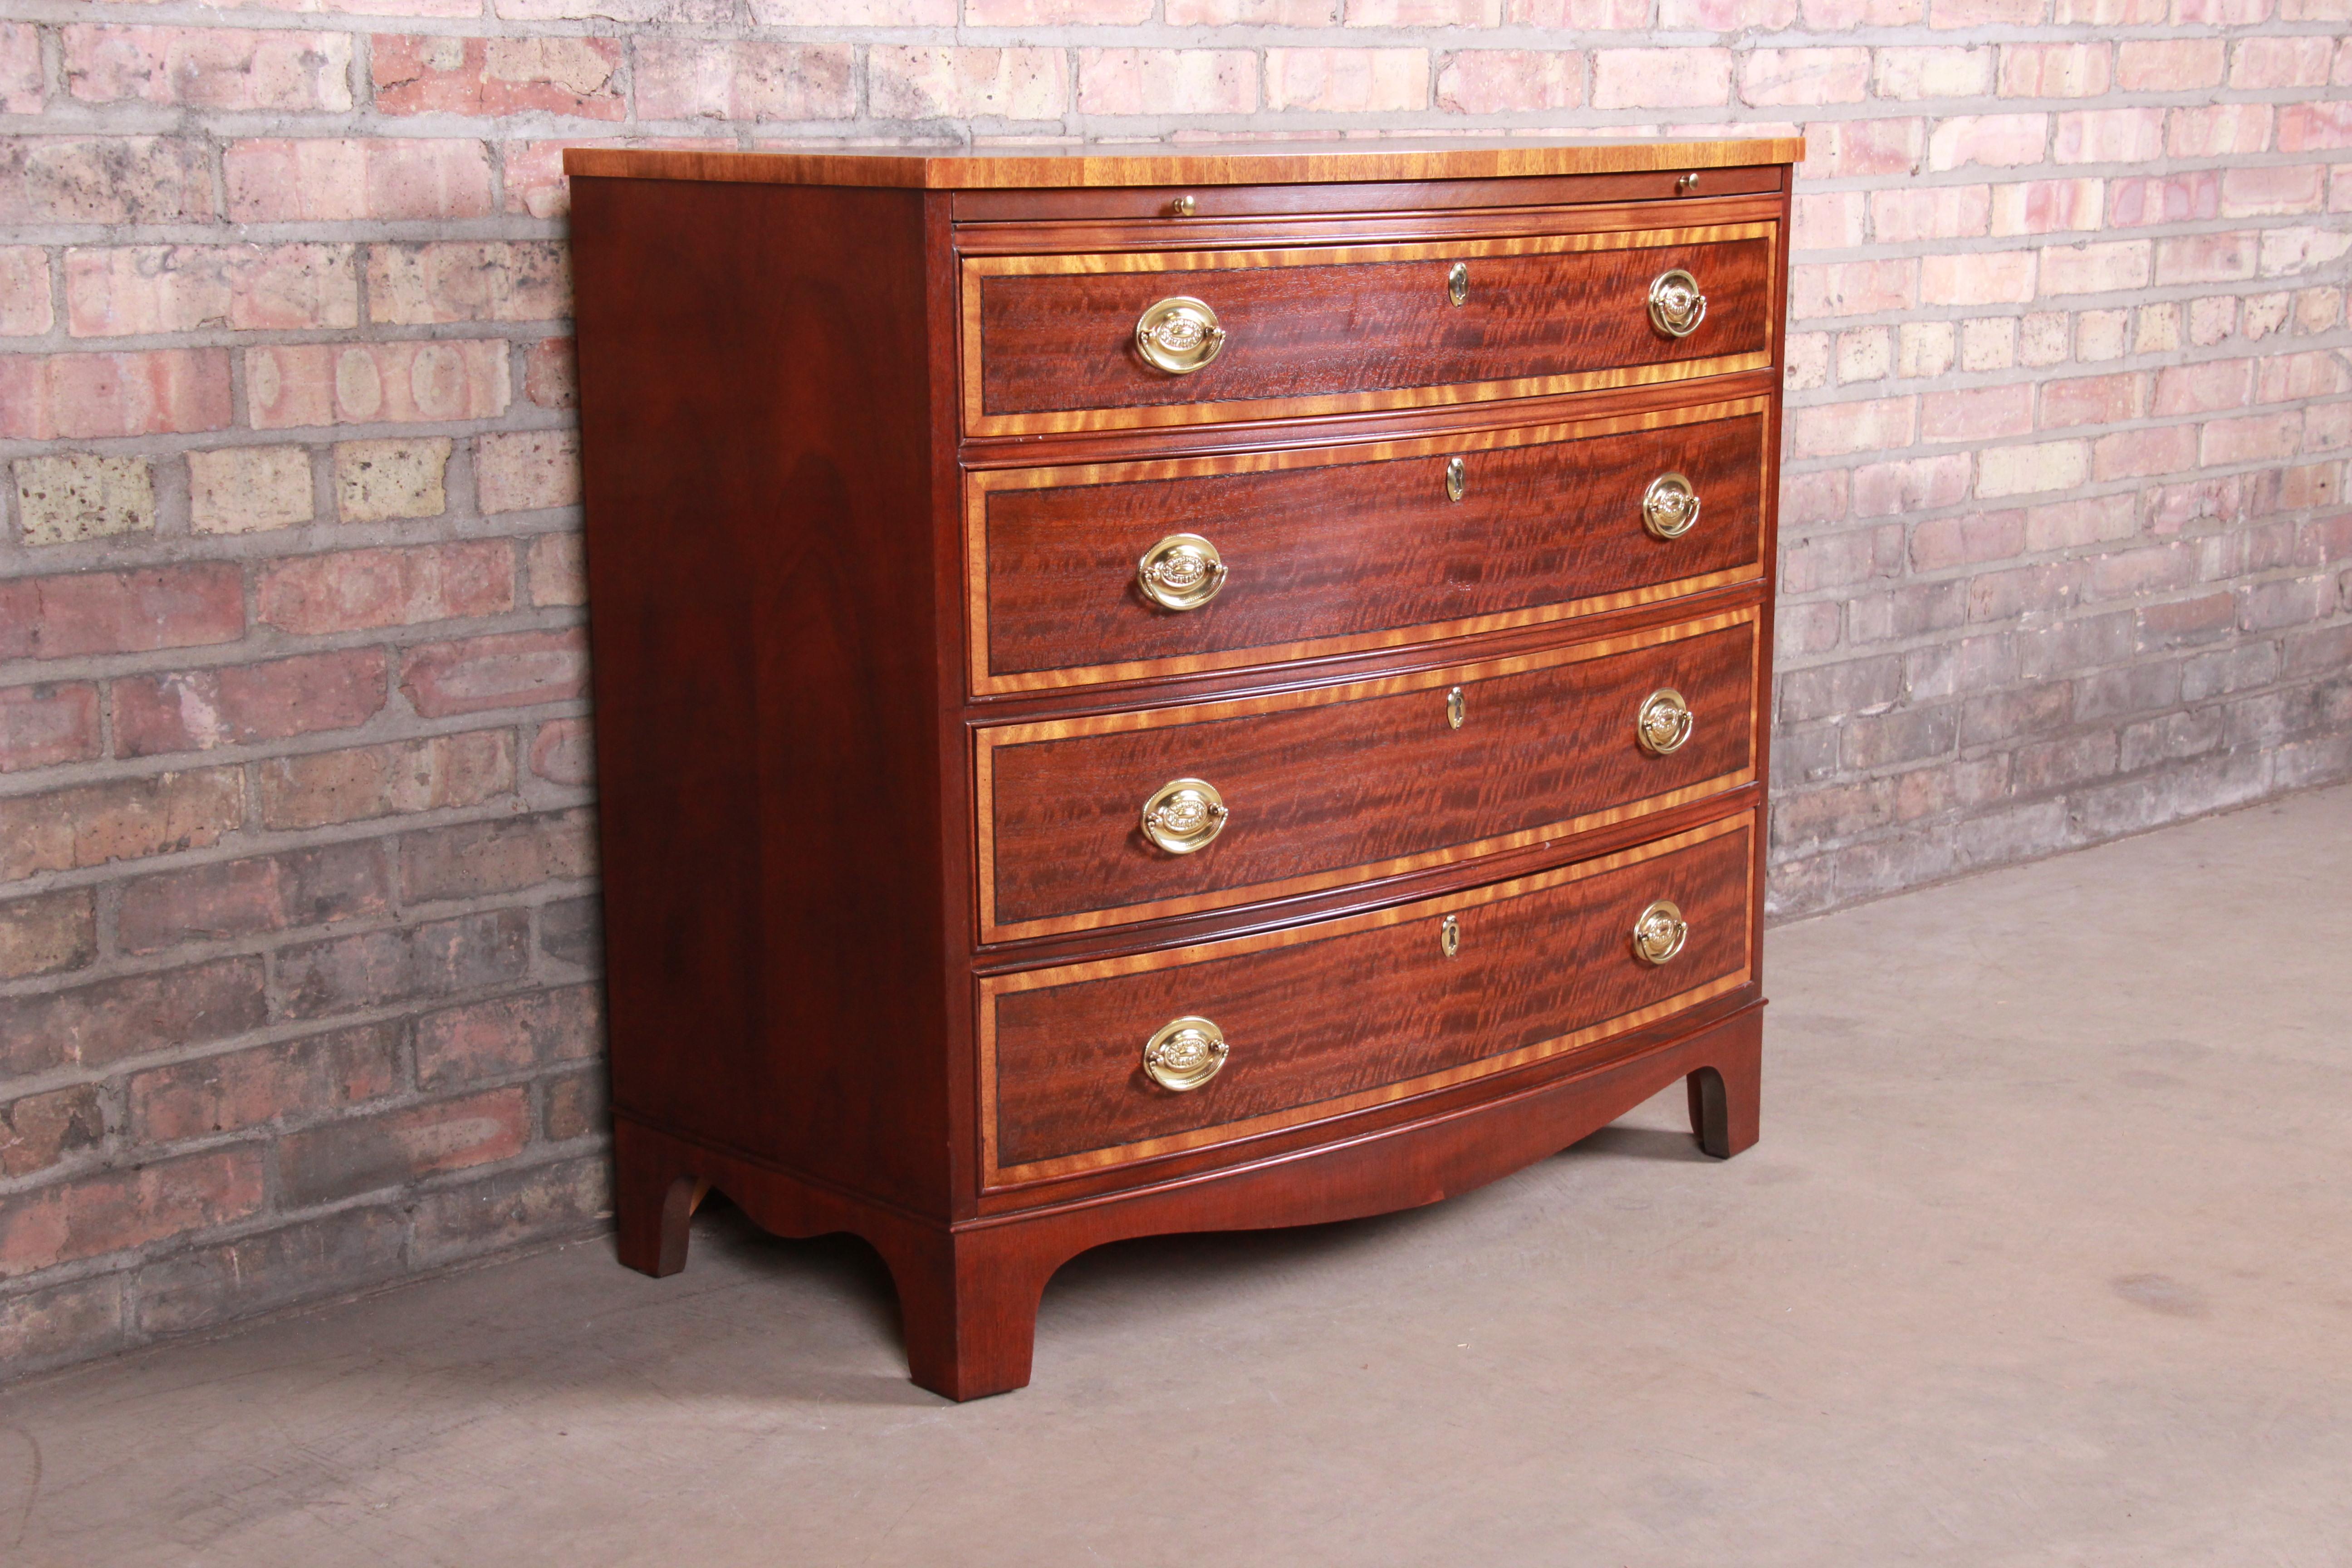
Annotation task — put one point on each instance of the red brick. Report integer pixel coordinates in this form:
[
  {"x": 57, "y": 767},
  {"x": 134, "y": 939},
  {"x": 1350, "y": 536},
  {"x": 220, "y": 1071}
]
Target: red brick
[
  {"x": 98, "y": 1024},
  {"x": 2109, "y": 136},
  {"x": 563, "y": 752},
  {"x": 469, "y": 281},
  {"x": 341, "y": 180},
  {"x": 353, "y": 590},
  {"x": 1840, "y": 16},
  {"x": 121, "y": 1209},
  {"x": 145, "y": 392},
  {"x": 574, "y": 1106},
  {"x": 461, "y": 1046},
  {"x": 558, "y": 569},
  {"x": 2093, "y": 400},
  {"x": 48, "y": 933},
  {"x": 127, "y": 290},
  {"x": 2112, "y": 268},
  {"x": 509, "y": 670},
  {"x": 2129, "y": 454},
  {"x": 377, "y": 968},
  {"x": 1804, "y": 76},
  {"x": 1938, "y": 543},
  {"x": 2307, "y": 127},
  {"x": 25, "y": 309},
  {"x": 20, "y": 68},
  {"x": 1829, "y": 220},
  {"x": 396, "y": 1148},
  {"x": 2202, "y": 388},
  {"x": 2264, "y": 437},
  {"x": 2262, "y": 191},
  {"x": 2067, "y": 525},
  {"x": 1502, "y": 81},
  {"x": 1991, "y": 141},
  {"x": 437, "y": 74},
  {"x": 500, "y": 856},
  {"x": 1846, "y": 149},
  {"x": 331, "y": 1255},
  {"x": 357, "y": 384},
  {"x": 210, "y": 68},
  {"x": 232, "y": 898},
  {"x": 105, "y": 179},
  {"x": 2294, "y": 61},
  {"x": 198, "y": 710},
  {"x": 1936, "y": 212},
  {"x": 2045, "y": 207},
  {"x": 1852, "y": 289},
  {"x": 2205, "y": 257},
  {"x": 1338, "y": 82},
  {"x": 2217, "y": 131},
  {"x": 123, "y": 820},
  {"x": 1979, "y": 278},
  {"x": 288, "y": 1081},
  {"x": 429, "y": 774},
  {"x": 43, "y": 725},
  {"x": 2286, "y": 378},
  {"x": 1187, "y": 81},
  {"x": 506, "y": 1210},
  {"x": 691, "y": 79},
  {"x": 2053, "y": 70},
  {"x": 43, "y": 1130},
  {"x": 1842, "y": 559},
  {"x": 1687, "y": 77},
  {"x": 1914, "y": 484},
  {"x": 70, "y": 616},
  {"x": 2165, "y": 198},
  {"x": 549, "y": 376},
  {"x": 2169, "y": 64},
  {"x": 1986, "y": 13},
  {"x": 1834, "y": 429},
  {"x": 1979, "y": 413}
]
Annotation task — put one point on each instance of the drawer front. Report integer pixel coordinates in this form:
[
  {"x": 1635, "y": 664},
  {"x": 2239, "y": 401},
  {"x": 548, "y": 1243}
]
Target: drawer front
[
  {"x": 1049, "y": 342},
  {"x": 1341, "y": 783},
  {"x": 1323, "y": 1019},
  {"x": 1349, "y": 549}
]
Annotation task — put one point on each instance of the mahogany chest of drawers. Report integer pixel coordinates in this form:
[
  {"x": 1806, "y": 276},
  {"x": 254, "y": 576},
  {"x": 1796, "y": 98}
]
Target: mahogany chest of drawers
[{"x": 1140, "y": 693}]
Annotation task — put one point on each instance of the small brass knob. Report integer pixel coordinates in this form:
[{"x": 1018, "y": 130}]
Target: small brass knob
[
  {"x": 1449, "y": 936},
  {"x": 1182, "y": 572},
  {"x": 1676, "y": 307},
  {"x": 1184, "y": 815},
  {"x": 1185, "y": 1054},
  {"x": 1457, "y": 283},
  {"x": 1178, "y": 335},
  {"x": 1660, "y": 933},
  {"x": 1457, "y": 477},
  {"x": 1670, "y": 506},
  {"x": 1663, "y": 722},
  {"x": 1179, "y": 206},
  {"x": 1685, "y": 184}
]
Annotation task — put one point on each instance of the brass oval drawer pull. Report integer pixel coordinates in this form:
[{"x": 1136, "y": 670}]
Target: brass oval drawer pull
[
  {"x": 1660, "y": 933},
  {"x": 1178, "y": 335},
  {"x": 1670, "y": 506},
  {"x": 1664, "y": 721},
  {"x": 1182, "y": 572},
  {"x": 1185, "y": 1054},
  {"x": 1457, "y": 283},
  {"x": 1184, "y": 815},
  {"x": 1676, "y": 307}
]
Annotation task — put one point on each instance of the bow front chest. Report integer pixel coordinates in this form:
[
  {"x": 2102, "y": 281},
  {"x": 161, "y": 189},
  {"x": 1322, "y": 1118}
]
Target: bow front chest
[{"x": 1151, "y": 692}]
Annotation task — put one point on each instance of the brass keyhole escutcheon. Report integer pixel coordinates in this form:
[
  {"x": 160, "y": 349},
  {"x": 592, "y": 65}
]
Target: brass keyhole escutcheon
[
  {"x": 1663, "y": 722},
  {"x": 1457, "y": 283},
  {"x": 1457, "y": 477},
  {"x": 1660, "y": 933},
  {"x": 1184, "y": 815},
  {"x": 1185, "y": 1054},
  {"x": 1676, "y": 307},
  {"x": 1178, "y": 335},
  {"x": 1456, "y": 709},
  {"x": 1182, "y": 572},
  {"x": 1670, "y": 506},
  {"x": 1179, "y": 206},
  {"x": 1449, "y": 936}
]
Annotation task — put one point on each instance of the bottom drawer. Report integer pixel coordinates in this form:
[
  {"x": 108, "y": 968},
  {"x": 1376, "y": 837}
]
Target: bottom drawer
[{"x": 1346, "y": 1014}]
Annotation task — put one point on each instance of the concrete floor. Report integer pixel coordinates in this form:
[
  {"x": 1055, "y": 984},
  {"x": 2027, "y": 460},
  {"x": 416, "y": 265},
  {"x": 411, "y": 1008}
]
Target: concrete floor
[{"x": 2044, "y": 1259}]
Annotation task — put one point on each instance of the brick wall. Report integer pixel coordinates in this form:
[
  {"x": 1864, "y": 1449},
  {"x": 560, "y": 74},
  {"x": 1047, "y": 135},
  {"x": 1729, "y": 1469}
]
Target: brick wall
[{"x": 297, "y": 945}]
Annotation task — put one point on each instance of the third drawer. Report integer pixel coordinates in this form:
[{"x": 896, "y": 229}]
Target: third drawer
[{"x": 1311, "y": 789}]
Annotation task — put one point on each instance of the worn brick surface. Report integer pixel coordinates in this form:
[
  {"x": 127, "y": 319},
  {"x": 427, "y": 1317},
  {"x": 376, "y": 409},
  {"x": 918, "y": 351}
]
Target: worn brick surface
[{"x": 297, "y": 882}]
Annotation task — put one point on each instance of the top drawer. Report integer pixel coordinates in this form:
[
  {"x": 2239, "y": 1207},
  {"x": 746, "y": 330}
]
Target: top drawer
[{"x": 1050, "y": 342}]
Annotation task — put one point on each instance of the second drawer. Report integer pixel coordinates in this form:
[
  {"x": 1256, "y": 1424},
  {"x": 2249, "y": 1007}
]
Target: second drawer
[{"x": 1312, "y": 789}]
